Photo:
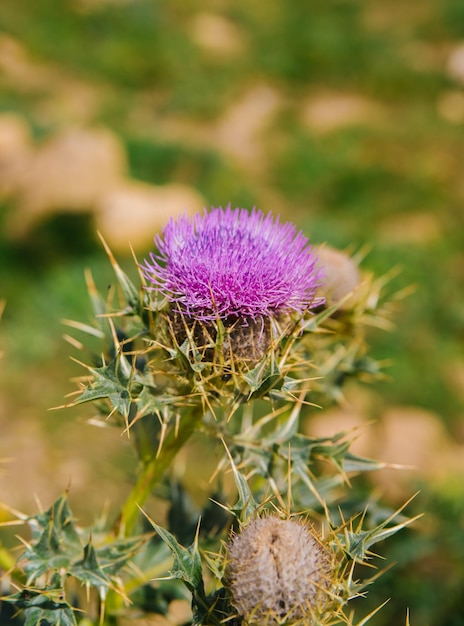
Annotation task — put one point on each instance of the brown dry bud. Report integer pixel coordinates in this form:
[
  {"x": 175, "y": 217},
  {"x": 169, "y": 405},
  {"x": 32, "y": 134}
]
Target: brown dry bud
[{"x": 278, "y": 572}]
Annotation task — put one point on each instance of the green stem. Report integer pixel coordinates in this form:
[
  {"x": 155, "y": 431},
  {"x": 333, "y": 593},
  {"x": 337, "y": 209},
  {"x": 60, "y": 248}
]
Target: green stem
[
  {"x": 154, "y": 469},
  {"x": 152, "y": 472}
]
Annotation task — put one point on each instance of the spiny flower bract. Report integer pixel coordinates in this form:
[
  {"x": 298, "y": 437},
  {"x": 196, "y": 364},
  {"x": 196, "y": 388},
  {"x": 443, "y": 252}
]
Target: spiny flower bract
[{"x": 231, "y": 263}]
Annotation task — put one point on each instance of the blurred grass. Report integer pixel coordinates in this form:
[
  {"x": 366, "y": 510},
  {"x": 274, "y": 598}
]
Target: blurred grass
[{"x": 394, "y": 183}]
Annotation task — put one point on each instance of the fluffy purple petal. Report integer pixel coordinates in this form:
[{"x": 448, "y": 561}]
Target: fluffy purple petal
[{"x": 231, "y": 263}]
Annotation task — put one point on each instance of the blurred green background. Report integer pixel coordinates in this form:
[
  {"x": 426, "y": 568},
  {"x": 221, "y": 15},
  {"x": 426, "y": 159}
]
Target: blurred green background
[{"x": 344, "y": 116}]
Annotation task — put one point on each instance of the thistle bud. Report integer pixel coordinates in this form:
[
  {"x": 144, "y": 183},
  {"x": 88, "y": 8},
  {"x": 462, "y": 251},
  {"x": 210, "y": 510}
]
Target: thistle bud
[
  {"x": 341, "y": 274},
  {"x": 278, "y": 572}
]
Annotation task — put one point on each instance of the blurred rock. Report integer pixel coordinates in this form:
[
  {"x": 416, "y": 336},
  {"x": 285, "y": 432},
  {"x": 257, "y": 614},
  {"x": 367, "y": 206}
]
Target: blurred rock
[
  {"x": 38, "y": 461},
  {"x": 19, "y": 69},
  {"x": 341, "y": 274},
  {"x": 69, "y": 173},
  {"x": 455, "y": 64},
  {"x": 415, "y": 438},
  {"x": 70, "y": 101},
  {"x": 328, "y": 112},
  {"x": 84, "y": 170},
  {"x": 450, "y": 106},
  {"x": 454, "y": 369},
  {"x": 216, "y": 34},
  {"x": 350, "y": 420},
  {"x": 133, "y": 212},
  {"x": 413, "y": 441},
  {"x": 416, "y": 228},
  {"x": 15, "y": 152},
  {"x": 238, "y": 131},
  {"x": 422, "y": 56},
  {"x": 411, "y": 436},
  {"x": 62, "y": 99}
]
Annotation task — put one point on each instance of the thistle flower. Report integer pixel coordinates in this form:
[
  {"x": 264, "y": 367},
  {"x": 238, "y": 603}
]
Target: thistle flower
[
  {"x": 278, "y": 572},
  {"x": 230, "y": 264}
]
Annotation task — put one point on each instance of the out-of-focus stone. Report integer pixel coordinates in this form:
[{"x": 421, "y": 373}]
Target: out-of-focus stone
[
  {"x": 413, "y": 437},
  {"x": 63, "y": 99},
  {"x": 416, "y": 439},
  {"x": 133, "y": 212},
  {"x": 415, "y": 228},
  {"x": 341, "y": 274},
  {"x": 450, "y": 106},
  {"x": 412, "y": 443},
  {"x": 455, "y": 64},
  {"x": 15, "y": 152},
  {"x": 216, "y": 34},
  {"x": 328, "y": 112},
  {"x": 70, "y": 101},
  {"x": 238, "y": 131},
  {"x": 333, "y": 421},
  {"x": 84, "y": 170},
  {"x": 20, "y": 69},
  {"x": 69, "y": 173}
]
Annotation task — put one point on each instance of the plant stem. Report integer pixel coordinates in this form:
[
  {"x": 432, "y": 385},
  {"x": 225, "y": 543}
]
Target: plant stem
[{"x": 154, "y": 469}]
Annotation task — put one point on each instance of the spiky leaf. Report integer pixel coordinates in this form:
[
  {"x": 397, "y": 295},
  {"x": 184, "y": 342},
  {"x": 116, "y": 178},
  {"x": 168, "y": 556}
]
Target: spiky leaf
[
  {"x": 109, "y": 382},
  {"x": 114, "y": 555},
  {"x": 359, "y": 542},
  {"x": 263, "y": 377},
  {"x": 43, "y": 606},
  {"x": 88, "y": 570},
  {"x": 61, "y": 517},
  {"x": 187, "y": 562}
]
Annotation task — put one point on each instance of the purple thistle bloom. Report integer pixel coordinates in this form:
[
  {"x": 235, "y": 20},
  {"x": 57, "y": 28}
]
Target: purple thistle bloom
[{"x": 229, "y": 264}]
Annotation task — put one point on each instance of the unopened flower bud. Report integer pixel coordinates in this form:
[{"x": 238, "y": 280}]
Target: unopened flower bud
[
  {"x": 341, "y": 274},
  {"x": 278, "y": 572}
]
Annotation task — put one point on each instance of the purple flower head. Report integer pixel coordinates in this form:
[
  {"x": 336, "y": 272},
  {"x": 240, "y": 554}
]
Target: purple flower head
[{"x": 231, "y": 263}]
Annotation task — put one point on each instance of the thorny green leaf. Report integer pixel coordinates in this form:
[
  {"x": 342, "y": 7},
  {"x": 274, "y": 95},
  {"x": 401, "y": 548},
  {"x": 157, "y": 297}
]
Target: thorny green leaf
[
  {"x": 353, "y": 463},
  {"x": 290, "y": 384},
  {"x": 192, "y": 356},
  {"x": 313, "y": 322},
  {"x": 43, "y": 605},
  {"x": 88, "y": 570},
  {"x": 49, "y": 553},
  {"x": 60, "y": 515},
  {"x": 263, "y": 377},
  {"x": 246, "y": 505},
  {"x": 187, "y": 562},
  {"x": 357, "y": 544},
  {"x": 63, "y": 616},
  {"x": 56, "y": 546},
  {"x": 108, "y": 382},
  {"x": 55, "y": 541},
  {"x": 114, "y": 555}
]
